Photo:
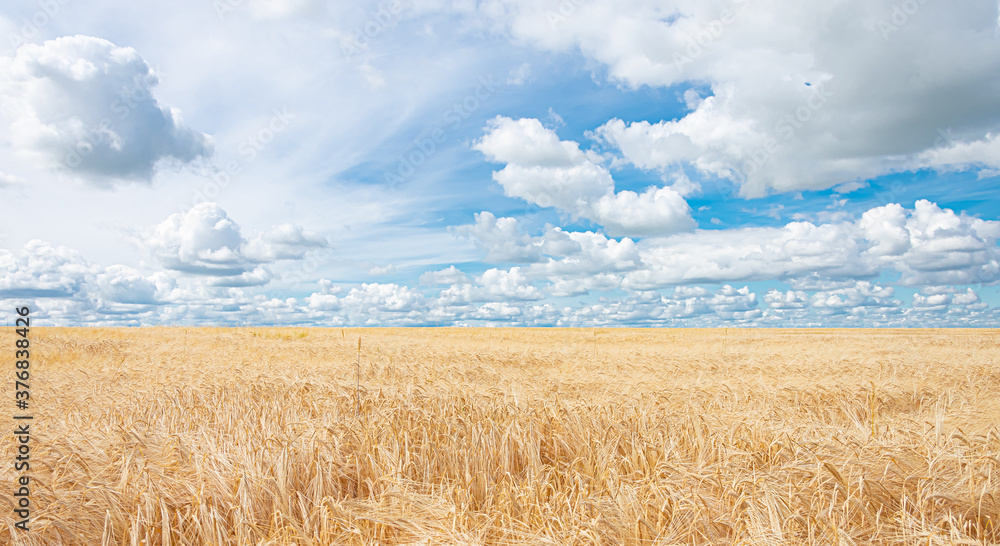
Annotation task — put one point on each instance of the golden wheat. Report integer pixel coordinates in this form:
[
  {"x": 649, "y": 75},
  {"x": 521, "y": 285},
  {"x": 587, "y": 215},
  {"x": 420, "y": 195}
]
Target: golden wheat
[{"x": 511, "y": 436}]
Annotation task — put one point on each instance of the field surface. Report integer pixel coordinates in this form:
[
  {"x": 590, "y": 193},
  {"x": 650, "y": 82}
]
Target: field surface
[{"x": 508, "y": 436}]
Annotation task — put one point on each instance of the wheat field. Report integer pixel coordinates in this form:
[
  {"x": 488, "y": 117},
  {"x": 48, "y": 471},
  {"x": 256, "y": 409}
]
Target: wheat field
[{"x": 510, "y": 436}]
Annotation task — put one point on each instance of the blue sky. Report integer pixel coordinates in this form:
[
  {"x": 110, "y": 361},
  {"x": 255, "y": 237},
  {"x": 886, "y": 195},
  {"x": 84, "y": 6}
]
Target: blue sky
[{"x": 501, "y": 162}]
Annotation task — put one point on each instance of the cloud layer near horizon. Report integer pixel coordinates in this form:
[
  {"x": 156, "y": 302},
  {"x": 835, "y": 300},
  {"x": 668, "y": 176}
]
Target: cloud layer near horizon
[{"x": 209, "y": 267}]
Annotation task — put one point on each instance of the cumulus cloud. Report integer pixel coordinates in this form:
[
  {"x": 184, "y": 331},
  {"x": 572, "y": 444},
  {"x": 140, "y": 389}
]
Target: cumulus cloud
[
  {"x": 791, "y": 299},
  {"x": 601, "y": 282},
  {"x": 284, "y": 242},
  {"x": 495, "y": 311},
  {"x": 204, "y": 240},
  {"x": 738, "y": 303},
  {"x": 259, "y": 276},
  {"x": 931, "y": 245},
  {"x": 62, "y": 285},
  {"x": 549, "y": 172},
  {"x": 500, "y": 239},
  {"x": 933, "y": 302},
  {"x": 686, "y": 306},
  {"x": 511, "y": 284},
  {"x": 126, "y": 285},
  {"x": 326, "y": 299},
  {"x": 839, "y": 100},
  {"x": 776, "y": 96},
  {"x": 447, "y": 276},
  {"x": 86, "y": 106},
  {"x": 947, "y": 298},
  {"x": 493, "y": 285},
  {"x": 41, "y": 270},
  {"x": 375, "y": 303},
  {"x": 968, "y": 299},
  {"x": 577, "y": 261},
  {"x": 815, "y": 281},
  {"x": 798, "y": 248},
  {"x": 67, "y": 289},
  {"x": 863, "y": 294},
  {"x": 323, "y": 302},
  {"x": 925, "y": 245}
]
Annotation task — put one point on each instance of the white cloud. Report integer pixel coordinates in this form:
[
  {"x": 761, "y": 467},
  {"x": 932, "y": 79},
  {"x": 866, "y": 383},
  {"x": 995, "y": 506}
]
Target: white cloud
[
  {"x": 947, "y": 299},
  {"x": 123, "y": 284},
  {"x": 324, "y": 302},
  {"x": 689, "y": 292},
  {"x": 63, "y": 286},
  {"x": 925, "y": 244},
  {"x": 372, "y": 299},
  {"x": 735, "y": 105},
  {"x": 500, "y": 239},
  {"x": 931, "y": 245},
  {"x": 791, "y": 299},
  {"x": 447, "y": 276},
  {"x": 41, "y": 270},
  {"x": 326, "y": 299},
  {"x": 380, "y": 270},
  {"x": 204, "y": 240},
  {"x": 735, "y": 303},
  {"x": 495, "y": 311},
  {"x": 541, "y": 168},
  {"x": 862, "y": 295},
  {"x": 9, "y": 180},
  {"x": 549, "y": 172},
  {"x": 815, "y": 281},
  {"x": 798, "y": 248},
  {"x": 601, "y": 282},
  {"x": 886, "y": 227},
  {"x": 556, "y": 253},
  {"x": 511, "y": 284},
  {"x": 493, "y": 285},
  {"x": 936, "y": 302},
  {"x": 972, "y": 153},
  {"x": 969, "y": 299},
  {"x": 259, "y": 276},
  {"x": 66, "y": 289},
  {"x": 85, "y": 106},
  {"x": 837, "y": 101},
  {"x": 284, "y": 242},
  {"x": 656, "y": 211}
]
